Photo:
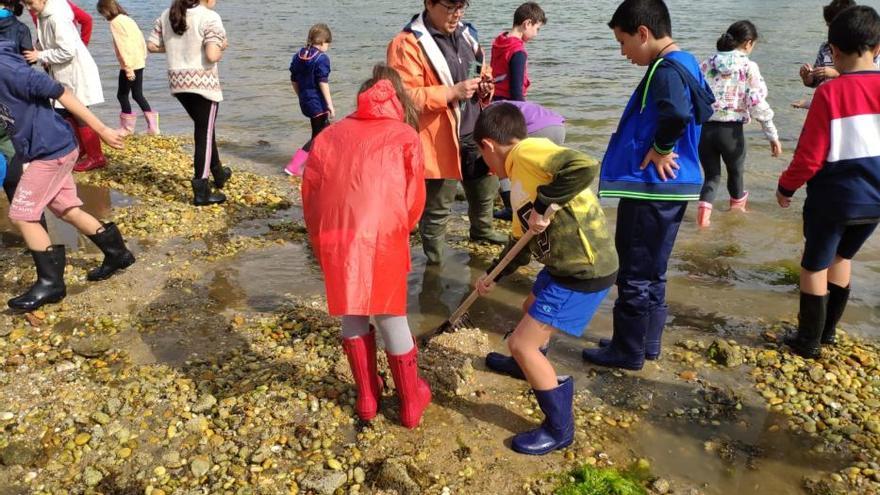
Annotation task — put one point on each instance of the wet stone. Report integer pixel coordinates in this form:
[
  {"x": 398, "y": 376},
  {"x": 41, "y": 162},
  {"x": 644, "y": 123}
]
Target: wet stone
[
  {"x": 204, "y": 404},
  {"x": 395, "y": 476},
  {"x": 91, "y": 346},
  {"x": 91, "y": 476},
  {"x": 725, "y": 354},
  {"x": 200, "y": 466},
  {"x": 18, "y": 454},
  {"x": 324, "y": 482}
]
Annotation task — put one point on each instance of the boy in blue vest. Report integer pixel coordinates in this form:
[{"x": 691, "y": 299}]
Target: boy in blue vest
[{"x": 652, "y": 165}]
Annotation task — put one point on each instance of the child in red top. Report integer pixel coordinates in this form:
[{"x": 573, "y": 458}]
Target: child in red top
[
  {"x": 509, "y": 57},
  {"x": 838, "y": 158},
  {"x": 363, "y": 192}
]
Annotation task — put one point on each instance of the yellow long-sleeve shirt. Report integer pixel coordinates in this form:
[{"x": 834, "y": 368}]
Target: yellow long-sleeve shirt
[{"x": 128, "y": 41}]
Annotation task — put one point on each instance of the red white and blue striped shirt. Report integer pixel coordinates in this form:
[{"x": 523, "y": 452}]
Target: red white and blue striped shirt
[{"x": 838, "y": 154}]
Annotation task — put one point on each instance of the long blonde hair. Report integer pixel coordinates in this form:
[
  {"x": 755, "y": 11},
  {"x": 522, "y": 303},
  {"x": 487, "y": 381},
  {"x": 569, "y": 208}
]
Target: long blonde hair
[{"x": 384, "y": 72}]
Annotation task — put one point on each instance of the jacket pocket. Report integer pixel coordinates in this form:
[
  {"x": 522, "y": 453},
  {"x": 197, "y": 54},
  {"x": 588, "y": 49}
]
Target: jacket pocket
[{"x": 588, "y": 249}]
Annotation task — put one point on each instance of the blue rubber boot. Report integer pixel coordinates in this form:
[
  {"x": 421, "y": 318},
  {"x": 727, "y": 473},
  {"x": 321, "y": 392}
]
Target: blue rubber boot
[
  {"x": 506, "y": 365},
  {"x": 557, "y": 430},
  {"x": 653, "y": 338},
  {"x": 627, "y": 349}
]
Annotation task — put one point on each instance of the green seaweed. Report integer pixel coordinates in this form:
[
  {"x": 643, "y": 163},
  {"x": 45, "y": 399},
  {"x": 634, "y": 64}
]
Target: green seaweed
[{"x": 590, "y": 480}]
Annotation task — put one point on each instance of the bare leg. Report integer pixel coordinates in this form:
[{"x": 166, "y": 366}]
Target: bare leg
[
  {"x": 84, "y": 222},
  {"x": 35, "y": 236},
  {"x": 840, "y": 271},
  {"x": 525, "y": 344}
]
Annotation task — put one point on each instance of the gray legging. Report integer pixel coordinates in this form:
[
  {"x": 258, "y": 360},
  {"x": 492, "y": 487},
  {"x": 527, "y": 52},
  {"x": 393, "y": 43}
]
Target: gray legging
[
  {"x": 395, "y": 331},
  {"x": 723, "y": 140}
]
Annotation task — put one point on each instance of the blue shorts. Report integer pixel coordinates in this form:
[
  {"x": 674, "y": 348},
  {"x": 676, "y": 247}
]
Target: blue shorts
[
  {"x": 563, "y": 308},
  {"x": 825, "y": 238}
]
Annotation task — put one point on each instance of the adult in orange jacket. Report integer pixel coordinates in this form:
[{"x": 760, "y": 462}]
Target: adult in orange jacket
[
  {"x": 363, "y": 192},
  {"x": 441, "y": 62}
]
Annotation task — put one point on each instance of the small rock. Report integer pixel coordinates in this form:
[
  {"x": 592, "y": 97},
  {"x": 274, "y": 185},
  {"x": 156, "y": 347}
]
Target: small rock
[
  {"x": 324, "y": 482},
  {"x": 82, "y": 439},
  {"x": 688, "y": 375},
  {"x": 725, "y": 354},
  {"x": 204, "y": 404},
  {"x": 100, "y": 418},
  {"x": 394, "y": 476},
  {"x": 6, "y": 416},
  {"x": 200, "y": 466},
  {"x": 91, "y": 347},
  {"x": 65, "y": 367},
  {"x": 92, "y": 476},
  {"x": 18, "y": 454},
  {"x": 359, "y": 476},
  {"x": 660, "y": 486},
  {"x": 817, "y": 374}
]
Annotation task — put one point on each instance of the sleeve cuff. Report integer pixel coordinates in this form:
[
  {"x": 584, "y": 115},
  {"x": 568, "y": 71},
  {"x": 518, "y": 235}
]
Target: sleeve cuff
[
  {"x": 540, "y": 207},
  {"x": 785, "y": 192},
  {"x": 662, "y": 150}
]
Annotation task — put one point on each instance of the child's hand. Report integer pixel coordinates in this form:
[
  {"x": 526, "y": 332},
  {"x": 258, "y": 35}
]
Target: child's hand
[
  {"x": 783, "y": 200},
  {"x": 775, "y": 148},
  {"x": 332, "y": 110},
  {"x": 802, "y": 103},
  {"x": 538, "y": 223},
  {"x": 486, "y": 87},
  {"x": 129, "y": 74},
  {"x": 807, "y": 74},
  {"x": 665, "y": 164},
  {"x": 484, "y": 285},
  {"x": 112, "y": 137},
  {"x": 825, "y": 72},
  {"x": 31, "y": 56}
]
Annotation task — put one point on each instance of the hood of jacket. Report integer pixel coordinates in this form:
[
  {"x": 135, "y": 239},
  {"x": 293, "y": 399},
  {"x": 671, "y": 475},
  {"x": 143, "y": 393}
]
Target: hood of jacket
[
  {"x": 308, "y": 55},
  {"x": 379, "y": 102},
  {"x": 726, "y": 63},
  {"x": 508, "y": 44},
  {"x": 57, "y": 8}
]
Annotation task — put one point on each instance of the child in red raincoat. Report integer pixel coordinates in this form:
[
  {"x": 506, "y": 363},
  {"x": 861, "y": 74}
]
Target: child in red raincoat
[{"x": 363, "y": 192}]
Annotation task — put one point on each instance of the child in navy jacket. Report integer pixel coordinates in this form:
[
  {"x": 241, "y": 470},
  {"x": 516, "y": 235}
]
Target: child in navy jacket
[
  {"x": 652, "y": 164},
  {"x": 309, "y": 75},
  {"x": 838, "y": 157}
]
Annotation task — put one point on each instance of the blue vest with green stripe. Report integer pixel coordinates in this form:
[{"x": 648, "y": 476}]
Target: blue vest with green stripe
[{"x": 621, "y": 176}]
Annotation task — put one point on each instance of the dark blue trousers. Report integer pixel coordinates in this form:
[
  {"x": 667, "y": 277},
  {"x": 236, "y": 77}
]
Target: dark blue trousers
[{"x": 645, "y": 235}]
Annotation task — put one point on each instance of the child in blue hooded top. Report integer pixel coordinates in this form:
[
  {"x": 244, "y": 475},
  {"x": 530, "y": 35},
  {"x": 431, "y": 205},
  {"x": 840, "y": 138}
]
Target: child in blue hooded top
[
  {"x": 310, "y": 74},
  {"x": 653, "y": 165}
]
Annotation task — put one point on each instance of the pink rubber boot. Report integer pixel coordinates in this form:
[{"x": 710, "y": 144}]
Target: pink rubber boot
[
  {"x": 739, "y": 204},
  {"x": 152, "y": 119},
  {"x": 297, "y": 163},
  {"x": 127, "y": 123},
  {"x": 704, "y": 211}
]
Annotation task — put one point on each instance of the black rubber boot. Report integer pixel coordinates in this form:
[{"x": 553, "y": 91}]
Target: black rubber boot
[
  {"x": 202, "y": 194},
  {"x": 837, "y": 299},
  {"x": 811, "y": 323},
  {"x": 627, "y": 347},
  {"x": 221, "y": 176},
  {"x": 507, "y": 212},
  {"x": 116, "y": 255},
  {"x": 49, "y": 287}
]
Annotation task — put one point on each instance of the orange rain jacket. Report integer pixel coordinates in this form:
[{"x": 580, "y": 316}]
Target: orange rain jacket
[{"x": 418, "y": 59}]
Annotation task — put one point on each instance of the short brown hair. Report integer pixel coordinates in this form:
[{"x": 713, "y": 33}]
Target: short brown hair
[
  {"x": 110, "y": 9},
  {"x": 319, "y": 34},
  {"x": 529, "y": 11},
  {"x": 830, "y": 11}
]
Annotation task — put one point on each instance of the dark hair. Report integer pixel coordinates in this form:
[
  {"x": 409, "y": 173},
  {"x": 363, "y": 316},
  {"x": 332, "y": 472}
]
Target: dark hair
[
  {"x": 14, "y": 6},
  {"x": 738, "y": 33},
  {"x": 855, "y": 30},
  {"x": 653, "y": 14},
  {"x": 830, "y": 11},
  {"x": 502, "y": 123},
  {"x": 177, "y": 14},
  {"x": 110, "y": 9},
  {"x": 529, "y": 11},
  {"x": 319, "y": 34},
  {"x": 385, "y": 72}
]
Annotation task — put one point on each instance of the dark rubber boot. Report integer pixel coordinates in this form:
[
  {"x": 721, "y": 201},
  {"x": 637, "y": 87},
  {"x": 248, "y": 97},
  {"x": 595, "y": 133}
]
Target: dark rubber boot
[
  {"x": 412, "y": 390},
  {"x": 506, "y": 365},
  {"x": 49, "y": 287},
  {"x": 116, "y": 255},
  {"x": 221, "y": 176},
  {"x": 507, "y": 212},
  {"x": 361, "y": 353},
  {"x": 811, "y": 323},
  {"x": 627, "y": 348},
  {"x": 656, "y": 323},
  {"x": 481, "y": 198},
  {"x": 202, "y": 194},
  {"x": 837, "y": 299},
  {"x": 557, "y": 430}
]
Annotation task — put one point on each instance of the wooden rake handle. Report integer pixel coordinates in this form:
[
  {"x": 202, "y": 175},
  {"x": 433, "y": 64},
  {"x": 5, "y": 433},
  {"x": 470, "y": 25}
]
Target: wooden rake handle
[{"x": 514, "y": 251}]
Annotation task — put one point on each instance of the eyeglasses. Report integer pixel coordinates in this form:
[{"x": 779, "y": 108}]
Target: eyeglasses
[{"x": 458, "y": 8}]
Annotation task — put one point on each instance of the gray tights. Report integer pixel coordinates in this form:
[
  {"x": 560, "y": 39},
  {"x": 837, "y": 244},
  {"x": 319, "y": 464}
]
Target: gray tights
[{"x": 395, "y": 331}]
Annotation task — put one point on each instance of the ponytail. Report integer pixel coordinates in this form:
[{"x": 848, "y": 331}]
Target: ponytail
[
  {"x": 177, "y": 14},
  {"x": 738, "y": 33}
]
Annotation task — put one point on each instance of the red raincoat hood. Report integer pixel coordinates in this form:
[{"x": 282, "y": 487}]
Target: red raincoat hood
[
  {"x": 508, "y": 44},
  {"x": 379, "y": 102}
]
